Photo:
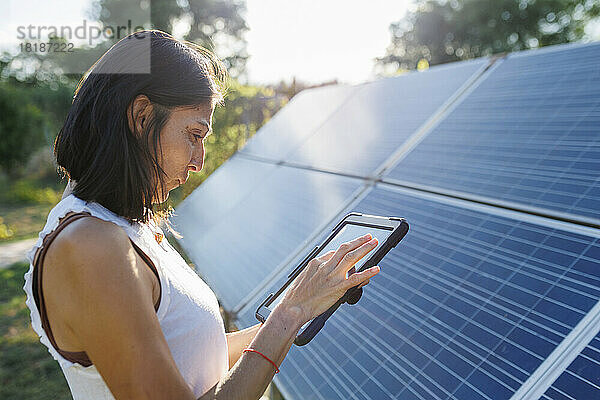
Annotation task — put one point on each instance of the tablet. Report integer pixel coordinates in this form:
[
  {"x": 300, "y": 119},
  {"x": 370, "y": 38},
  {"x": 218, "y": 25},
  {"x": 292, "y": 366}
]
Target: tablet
[{"x": 388, "y": 230}]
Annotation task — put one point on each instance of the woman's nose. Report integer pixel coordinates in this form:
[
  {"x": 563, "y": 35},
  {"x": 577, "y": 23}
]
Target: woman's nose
[
  {"x": 197, "y": 161},
  {"x": 196, "y": 166}
]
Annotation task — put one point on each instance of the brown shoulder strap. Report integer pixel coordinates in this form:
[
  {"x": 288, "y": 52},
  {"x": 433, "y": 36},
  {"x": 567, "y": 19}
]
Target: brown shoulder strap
[
  {"x": 73, "y": 356},
  {"x": 150, "y": 264},
  {"x": 80, "y": 357}
]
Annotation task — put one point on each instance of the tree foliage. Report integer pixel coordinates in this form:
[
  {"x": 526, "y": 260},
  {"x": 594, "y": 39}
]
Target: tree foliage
[
  {"x": 217, "y": 25},
  {"x": 22, "y": 127},
  {"x": 33, "y": 109},
  {"x": 441, "y": 31},
  {"x": 44, "y": 98}
]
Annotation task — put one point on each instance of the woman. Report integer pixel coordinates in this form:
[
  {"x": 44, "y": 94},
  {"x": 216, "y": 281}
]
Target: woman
[{"x": 116, "y": 305}]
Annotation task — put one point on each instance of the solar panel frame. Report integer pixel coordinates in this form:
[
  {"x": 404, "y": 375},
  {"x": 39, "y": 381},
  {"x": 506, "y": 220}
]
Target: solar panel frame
[
  {"x": 560, "y": 330},
  {"x": 355, "y": 139},
  {"x": 420, "y": 169},
  {"x": 581, "y": 379},
  {"x": 305, "y": 112},
  {"x": 537, "y": 323},
  {"x": 221, "y": 191},
  {"x": 555, "y": 368}
]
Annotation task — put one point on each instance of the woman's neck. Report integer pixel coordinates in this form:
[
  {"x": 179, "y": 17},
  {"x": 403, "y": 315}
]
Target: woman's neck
[{"x": 68, "y": 189}]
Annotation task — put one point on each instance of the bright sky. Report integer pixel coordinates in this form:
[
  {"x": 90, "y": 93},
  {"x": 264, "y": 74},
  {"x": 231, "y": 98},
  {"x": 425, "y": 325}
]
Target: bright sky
[
  {"x": 318, "y": 40},
  {"x": 312, "y": 40},
  {"x": 38, "y": 13}
]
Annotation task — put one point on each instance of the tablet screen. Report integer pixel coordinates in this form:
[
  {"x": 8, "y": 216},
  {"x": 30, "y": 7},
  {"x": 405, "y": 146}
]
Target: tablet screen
[{"x": 347, "y": 233}]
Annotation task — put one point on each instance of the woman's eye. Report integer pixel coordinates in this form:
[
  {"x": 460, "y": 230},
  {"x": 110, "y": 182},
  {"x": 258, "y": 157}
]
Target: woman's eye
[{"x": 197, "y": 135}]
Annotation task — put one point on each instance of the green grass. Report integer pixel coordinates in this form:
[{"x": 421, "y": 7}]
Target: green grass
[
  {"x": 25, "y": 204},
  {"x": 24, "y": 220},
  {"x": 27, "y": 371}
]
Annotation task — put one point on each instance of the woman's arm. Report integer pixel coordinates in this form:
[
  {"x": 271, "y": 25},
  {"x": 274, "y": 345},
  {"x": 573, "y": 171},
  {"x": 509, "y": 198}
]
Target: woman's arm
[
  {"x": 319, "y": 286},
  {"x": 249, "y": 377},
  {"x": 238, "y": 341},
  {"x": 107, "y": 304},
  {"x": 99, "y": 293}
]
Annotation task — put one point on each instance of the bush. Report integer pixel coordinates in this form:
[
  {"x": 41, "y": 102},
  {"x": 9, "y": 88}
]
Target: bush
[
  {"x": 6, "y": 232},
  {"x": 26, "y": 192},
  {"x": 22, "y": 127},
  {"x": 42, "y": 167}
]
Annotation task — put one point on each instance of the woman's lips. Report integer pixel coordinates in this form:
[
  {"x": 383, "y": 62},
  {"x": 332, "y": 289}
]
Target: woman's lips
[{"x": 181, "y": 181}]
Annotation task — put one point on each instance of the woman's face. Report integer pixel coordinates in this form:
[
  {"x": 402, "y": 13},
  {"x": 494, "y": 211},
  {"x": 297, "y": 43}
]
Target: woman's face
[{"x": 182, "y": 142}]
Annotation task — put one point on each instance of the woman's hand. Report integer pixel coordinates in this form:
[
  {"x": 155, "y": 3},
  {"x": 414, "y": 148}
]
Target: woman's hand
[{"x": 324, "y": 280}]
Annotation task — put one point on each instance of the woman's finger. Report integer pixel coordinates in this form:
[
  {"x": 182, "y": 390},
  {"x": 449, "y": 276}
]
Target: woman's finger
[
  {"x": 364, "y": 283},
  {"x": 352, "y": 257},
  {"x": 347, "y": 247},
  {"x": 361, "y": 277},
  {"x": 326, "y": 257}
]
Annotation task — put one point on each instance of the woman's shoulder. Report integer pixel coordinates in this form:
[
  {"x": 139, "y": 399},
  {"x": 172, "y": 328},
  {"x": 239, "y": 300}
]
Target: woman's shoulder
[
  {"x": 89, "y": 249},
  {"x": 92, "y": 258},
  {"x": 102, "y": 225},
  {"x": 90, "y": 235}
]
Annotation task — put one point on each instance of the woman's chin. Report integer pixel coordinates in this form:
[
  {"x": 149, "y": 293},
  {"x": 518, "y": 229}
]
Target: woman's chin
[
  {"x": 170, "y": 186},
  {"x": 161, "y": 200}
]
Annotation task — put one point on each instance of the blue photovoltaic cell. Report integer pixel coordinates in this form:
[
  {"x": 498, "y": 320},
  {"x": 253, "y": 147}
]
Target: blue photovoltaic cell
[
  {"x": 581, "y": 380},
  {"x": 378, "y": 117},
  {"x": 530, "y": 133},
  {"x": 266, "y": 225},
  {"x": 467, "y": 306},
  {"x": 223, "y": 190},
  {"x": 305, "y": 112}
]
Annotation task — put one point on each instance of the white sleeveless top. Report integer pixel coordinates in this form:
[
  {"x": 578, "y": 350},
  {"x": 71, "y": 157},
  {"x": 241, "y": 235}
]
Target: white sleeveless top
[{"x": 188, "y": 313}]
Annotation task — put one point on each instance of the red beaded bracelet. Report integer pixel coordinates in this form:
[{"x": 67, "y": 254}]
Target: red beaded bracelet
[{"x": 265, "y": 357}]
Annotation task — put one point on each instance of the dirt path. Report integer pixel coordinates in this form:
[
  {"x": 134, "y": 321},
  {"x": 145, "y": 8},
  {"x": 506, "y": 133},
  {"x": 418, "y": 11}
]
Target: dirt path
[{"x": 15, "y": 251}]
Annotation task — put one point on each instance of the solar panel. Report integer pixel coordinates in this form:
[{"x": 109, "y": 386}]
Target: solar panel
[
  {"x": 528, "y": 134},
  {"x": 223, "y": 190},
  {"x": 378, "y": 117},
  {"x": 297, "y": 120},
  {"x": 264, "y": 227},
  {"x": 478, "y": 300},
  {"x": 581, "y": 380},
  {"x": 467, "y": 306}
]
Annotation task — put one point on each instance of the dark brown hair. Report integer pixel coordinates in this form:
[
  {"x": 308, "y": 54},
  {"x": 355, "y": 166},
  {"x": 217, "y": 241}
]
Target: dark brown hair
[{"x": 95, "y": 147}]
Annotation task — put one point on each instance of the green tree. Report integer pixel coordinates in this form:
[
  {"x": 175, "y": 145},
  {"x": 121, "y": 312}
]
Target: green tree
[
  {"x": 33, "y": 107},
  {"x": 441, "y": 31},
  {"x": 22, "y": 127},
  {"x": 218, "y": 25}
]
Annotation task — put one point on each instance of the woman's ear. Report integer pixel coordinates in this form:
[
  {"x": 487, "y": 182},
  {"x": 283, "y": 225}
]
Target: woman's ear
[{"x": 138, "y": 113}]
